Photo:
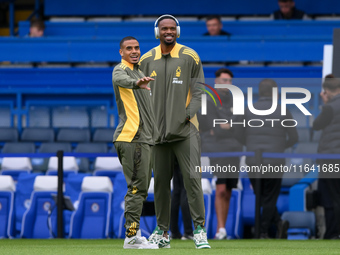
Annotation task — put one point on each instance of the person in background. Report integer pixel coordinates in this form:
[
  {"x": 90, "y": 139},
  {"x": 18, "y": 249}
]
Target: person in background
[
  {"x": 329, "y": 181},
  {"x": 221, "y": 139},
  {"x": 214, "y": 26},
  {"x": 270, "y": 137},
  {"x": 288, "y": 11},
  {"x": 37, "y": 28}
]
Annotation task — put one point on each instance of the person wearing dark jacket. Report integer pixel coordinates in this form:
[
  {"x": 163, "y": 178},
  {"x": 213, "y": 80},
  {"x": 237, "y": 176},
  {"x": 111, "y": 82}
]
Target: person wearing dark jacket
[
  {"x": 288, "y": 11},
  {"x": 329, "y": 122},
  {"x": 221, "y": 139},
  {"x": 271, "y": 137}
]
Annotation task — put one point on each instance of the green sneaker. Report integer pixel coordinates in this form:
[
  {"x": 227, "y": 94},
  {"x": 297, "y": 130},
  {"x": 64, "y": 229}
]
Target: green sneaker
[
  {"x": 164, "y": 242},
  {"x": 200, "y": 238},
  {"x": 158, "y": 238}
]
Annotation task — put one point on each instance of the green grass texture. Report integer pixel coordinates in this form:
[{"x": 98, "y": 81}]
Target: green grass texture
[{"x": 115, "y": 246}]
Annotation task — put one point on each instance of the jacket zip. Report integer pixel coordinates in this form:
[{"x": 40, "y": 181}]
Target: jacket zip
[{"x": 163, "y": 140}]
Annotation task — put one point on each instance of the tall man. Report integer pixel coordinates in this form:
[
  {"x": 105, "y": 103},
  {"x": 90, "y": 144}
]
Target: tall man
[
  {"x": 176, "y": 100},
  {"x": 133, "y": 137}
]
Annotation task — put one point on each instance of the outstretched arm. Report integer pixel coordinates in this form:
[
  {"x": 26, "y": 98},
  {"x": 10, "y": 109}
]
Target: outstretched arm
[{"x": 122, "y": 79}]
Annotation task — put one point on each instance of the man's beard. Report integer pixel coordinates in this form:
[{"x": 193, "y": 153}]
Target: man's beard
[{"x": 169, "y": 43}]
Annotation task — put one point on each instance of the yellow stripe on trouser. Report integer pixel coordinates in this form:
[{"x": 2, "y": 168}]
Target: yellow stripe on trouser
[{"x": 132, "y": 115}]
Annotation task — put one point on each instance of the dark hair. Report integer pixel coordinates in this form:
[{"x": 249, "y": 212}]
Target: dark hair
[
  {"x": 266, "y": 87},
  {"x": 223, "y": 70},
  {"x": 38, "y": 23},
  {"x": 213, "y": 17},
  {"x": 127, "y": 38},
  {"x": 166, "y": 17},
  {"x": 331, "y": 83}
]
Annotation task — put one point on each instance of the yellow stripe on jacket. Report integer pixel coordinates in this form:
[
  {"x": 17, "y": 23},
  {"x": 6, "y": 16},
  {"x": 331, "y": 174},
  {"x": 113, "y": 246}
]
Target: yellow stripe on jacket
[{"x": 132, "y": 115}]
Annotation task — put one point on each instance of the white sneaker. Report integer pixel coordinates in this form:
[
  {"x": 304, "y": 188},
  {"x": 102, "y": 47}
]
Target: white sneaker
[
  {"x": 221, "y": 234},
  {"x": 157, "y": 238},
  {"x": 200, "y": 238},
  {"x": 138, "y": 242}
]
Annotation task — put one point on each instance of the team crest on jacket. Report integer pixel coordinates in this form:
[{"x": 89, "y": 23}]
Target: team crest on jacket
[{"x": 178, "y": 71}]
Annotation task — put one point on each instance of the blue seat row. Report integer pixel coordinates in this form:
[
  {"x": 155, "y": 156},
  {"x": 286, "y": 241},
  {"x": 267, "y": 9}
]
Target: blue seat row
[
  {"x": 209, "y": 49},
  {"x": 64, "y": 135},
  {"x": 241, "y": 7},
  {"x": 255, "y": 30}
]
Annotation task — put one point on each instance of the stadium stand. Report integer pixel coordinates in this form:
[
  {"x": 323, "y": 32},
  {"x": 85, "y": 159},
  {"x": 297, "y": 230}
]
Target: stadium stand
[{"x": 51, "y": 85}]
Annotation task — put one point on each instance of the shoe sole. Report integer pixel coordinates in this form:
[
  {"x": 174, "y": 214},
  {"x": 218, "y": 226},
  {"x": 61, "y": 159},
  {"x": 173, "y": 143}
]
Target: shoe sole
[
  {"x": 135, "y": 247},
  {"x": 205, "y": 246}
]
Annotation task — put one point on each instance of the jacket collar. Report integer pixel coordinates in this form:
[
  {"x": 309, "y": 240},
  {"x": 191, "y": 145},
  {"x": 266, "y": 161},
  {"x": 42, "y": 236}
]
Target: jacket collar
[
  {"x": 174, "y": 53},
  {"x": 337, "y": 97},
  {"x": 129, "y": 65}
]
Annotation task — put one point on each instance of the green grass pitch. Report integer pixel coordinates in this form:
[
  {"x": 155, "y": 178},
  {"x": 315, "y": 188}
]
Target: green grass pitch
[{"x": 115, "y": 246}]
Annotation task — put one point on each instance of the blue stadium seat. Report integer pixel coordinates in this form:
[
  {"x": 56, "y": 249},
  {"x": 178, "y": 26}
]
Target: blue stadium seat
[
  {"x": 73, "y": 135},
  {"x": 70, "y": 166},
  {"x": 41, "y": 164},
  {"x": 301, "y": 225},
  {"x": 8, "y": 134},
  {"x": 85, "y": 164},
  {"x": 104, "y": 135},
  {"x": 92, "y": 217},
  {"x": 70, "y": 117},
  {"x": 7, "y": 209},
  {"x": 99, "y": 117},
  {"x": 107, "y": 166},
  {"x": 19, "y": 147},
  {"x": 39, "y": 117},
  {"x": 72, "y": 189},
  {"x": 118, "y": 206},
  {"x": 34, "y": 221},
  {"x": 37, "y": 135},
  {"x": 5, "y": 117},
  {"x": 15, "y": 166},
  {"x": 23, "y": 198}
]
